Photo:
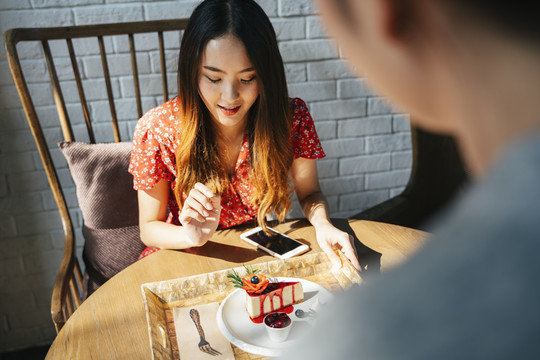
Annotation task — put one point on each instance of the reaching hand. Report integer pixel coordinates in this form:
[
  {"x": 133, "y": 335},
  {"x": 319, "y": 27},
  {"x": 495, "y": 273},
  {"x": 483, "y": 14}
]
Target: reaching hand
[
  {"x": 200, "y": 214},
  {"x": 330, "y": 237}
]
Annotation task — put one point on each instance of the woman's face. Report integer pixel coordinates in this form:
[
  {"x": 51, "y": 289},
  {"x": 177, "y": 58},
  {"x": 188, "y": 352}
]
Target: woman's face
[{"x": 228, "y": 83}]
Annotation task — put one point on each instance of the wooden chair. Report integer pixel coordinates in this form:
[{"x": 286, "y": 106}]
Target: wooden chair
[
  {"x": 66, "y": 296},
  {"x": 437, "y": 175}
]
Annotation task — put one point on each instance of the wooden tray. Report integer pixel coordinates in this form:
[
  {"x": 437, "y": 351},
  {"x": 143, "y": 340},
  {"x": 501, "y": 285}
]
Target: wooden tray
[{"x": 161, "y": 297}]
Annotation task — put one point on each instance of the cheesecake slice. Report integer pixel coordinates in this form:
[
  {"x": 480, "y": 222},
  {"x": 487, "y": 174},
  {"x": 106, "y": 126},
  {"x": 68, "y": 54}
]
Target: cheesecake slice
[
  {"x": 263, "y": 296},
  {"x": 275, "y": 297}
]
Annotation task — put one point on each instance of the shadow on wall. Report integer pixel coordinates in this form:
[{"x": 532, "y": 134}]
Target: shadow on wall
[{"x": 437, "y": 176}]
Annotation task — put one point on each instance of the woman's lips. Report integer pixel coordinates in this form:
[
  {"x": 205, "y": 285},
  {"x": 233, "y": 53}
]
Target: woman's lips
[{"x": 229, "y": 110}]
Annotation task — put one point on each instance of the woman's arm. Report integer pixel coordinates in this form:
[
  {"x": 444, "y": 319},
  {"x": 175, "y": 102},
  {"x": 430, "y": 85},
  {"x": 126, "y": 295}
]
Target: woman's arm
[
  {"x": 315, "y": 207},
  {"x": 199, "y": 217}
]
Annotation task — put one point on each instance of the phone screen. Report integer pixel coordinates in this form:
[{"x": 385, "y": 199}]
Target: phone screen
[{"x": 277, "y": 243}]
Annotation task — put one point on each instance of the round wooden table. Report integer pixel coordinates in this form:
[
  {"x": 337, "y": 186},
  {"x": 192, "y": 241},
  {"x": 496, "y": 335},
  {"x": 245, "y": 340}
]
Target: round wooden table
[{"x": 111, "y": 323}]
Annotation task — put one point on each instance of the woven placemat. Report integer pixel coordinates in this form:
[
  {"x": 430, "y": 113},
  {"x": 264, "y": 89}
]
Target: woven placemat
[{"x": 161, "y": 297}]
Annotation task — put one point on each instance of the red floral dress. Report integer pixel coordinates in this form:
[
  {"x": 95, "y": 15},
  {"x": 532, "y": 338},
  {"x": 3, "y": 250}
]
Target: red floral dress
[{"x": 153, "y": 158}]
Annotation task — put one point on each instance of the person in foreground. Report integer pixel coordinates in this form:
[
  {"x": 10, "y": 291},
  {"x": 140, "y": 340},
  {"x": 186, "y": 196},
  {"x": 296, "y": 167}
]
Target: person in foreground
[
  {"x": 469, "y": 68},
  {"x": 221, "y": 153}
]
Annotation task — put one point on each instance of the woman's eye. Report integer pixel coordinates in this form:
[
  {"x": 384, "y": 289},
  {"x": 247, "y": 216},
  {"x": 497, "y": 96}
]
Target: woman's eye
[
  {"x": 247, "y": 81},
  {"x": 214, "y": 81}
]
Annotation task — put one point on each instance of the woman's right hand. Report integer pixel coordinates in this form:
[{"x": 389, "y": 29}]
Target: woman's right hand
[{"x": 200, "y": 214}]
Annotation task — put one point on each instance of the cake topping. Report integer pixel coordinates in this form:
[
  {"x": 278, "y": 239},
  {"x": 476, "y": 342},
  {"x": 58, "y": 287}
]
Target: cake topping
[
  {"x": 252, "y": 283},
  {"x": 255, "y": 287}
]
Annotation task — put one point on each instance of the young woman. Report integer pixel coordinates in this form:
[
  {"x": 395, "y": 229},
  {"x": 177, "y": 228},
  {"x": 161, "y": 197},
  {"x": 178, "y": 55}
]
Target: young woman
[
  {"x": 222, "y": 152},
  {"x": 470, "y": 68}
]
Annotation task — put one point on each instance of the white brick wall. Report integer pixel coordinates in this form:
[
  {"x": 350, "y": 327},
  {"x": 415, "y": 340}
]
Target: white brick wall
[{"x": 366, "y": 139}]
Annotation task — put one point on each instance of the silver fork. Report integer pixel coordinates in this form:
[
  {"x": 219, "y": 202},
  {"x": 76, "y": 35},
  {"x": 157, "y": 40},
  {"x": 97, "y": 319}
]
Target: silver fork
[{"x": 204, "y": 346}]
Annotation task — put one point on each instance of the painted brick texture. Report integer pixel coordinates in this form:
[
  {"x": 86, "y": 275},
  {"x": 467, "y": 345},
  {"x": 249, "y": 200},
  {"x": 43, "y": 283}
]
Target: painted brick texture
[{"x": 366, "y": 139}]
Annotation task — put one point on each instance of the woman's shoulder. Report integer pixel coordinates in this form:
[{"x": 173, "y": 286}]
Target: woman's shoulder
[
  {"x": 161, "y": 121},
  {"x": 298, "y": 105},
  {"x": 163, "y": 115},
  {"x": 299, "y": 111},
  {"x": 305, "y": 140}
]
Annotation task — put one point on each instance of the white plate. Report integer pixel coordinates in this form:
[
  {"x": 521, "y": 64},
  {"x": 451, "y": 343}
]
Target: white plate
[{"x": 235, "y": 324}]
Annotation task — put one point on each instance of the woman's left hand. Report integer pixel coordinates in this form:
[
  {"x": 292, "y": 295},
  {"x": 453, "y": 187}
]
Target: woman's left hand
[{"x": 329, "y": 237}]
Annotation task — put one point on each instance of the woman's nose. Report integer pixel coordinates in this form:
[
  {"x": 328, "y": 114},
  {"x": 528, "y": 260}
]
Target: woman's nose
[{"x": 230, "y": 92}]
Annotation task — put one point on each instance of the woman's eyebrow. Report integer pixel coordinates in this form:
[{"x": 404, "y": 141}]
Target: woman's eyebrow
[{"x": 211, "y": 68}]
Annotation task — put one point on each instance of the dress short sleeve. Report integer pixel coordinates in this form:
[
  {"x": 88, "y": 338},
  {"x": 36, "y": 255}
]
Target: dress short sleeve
[
  {"x": 304, "y": 139},
  {"x": 153, "y": 154}
]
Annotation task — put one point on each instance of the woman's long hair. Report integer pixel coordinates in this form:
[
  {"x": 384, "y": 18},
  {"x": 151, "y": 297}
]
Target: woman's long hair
[{"x": 269, "y": 124}]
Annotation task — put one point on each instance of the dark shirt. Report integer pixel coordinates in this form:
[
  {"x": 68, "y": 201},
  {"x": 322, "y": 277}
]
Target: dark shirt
[{"x": 473, "y": 292}]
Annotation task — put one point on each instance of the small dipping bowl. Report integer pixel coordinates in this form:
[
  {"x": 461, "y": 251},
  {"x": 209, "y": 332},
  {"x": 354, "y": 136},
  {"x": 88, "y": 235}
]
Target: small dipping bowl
[{"x": 278, "y": 326}]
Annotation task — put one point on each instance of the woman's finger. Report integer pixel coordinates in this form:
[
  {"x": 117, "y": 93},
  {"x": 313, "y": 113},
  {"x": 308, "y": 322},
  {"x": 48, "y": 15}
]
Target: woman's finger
[
  {"x": 203, "y": 188},
  {"x": 349, "y": 250},
  {"x": 197, "y": 201},
  {"x": 213, "y": 198},
  {"x": 216, "y": 201},
  {"x": 188, "y": 214},
  {"x": 332, "y": 256}
]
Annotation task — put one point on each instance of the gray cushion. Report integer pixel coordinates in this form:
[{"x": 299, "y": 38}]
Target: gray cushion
[{"x": 108, "y": 205}]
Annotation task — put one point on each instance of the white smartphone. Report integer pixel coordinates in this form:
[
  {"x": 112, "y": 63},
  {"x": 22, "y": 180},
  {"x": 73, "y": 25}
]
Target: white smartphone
[{"x": 278, "y": 244}]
